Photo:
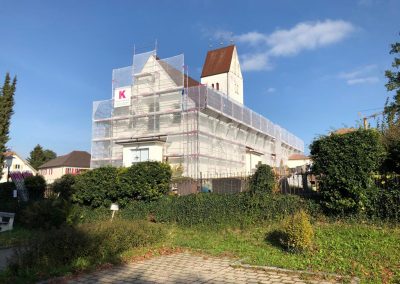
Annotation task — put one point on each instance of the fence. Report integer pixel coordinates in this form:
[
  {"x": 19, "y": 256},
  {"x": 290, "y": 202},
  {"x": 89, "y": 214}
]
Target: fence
[{"x": 231, "y": 183}]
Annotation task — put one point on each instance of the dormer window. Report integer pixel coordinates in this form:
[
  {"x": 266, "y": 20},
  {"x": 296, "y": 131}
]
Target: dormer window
[{"x": 217, "y": 86}]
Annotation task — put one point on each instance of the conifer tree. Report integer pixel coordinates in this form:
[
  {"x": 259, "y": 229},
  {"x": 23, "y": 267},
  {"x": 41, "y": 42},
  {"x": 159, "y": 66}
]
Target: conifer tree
[
  {"x": 39, "y": 156},
  {"x": 6, "y": 111}
]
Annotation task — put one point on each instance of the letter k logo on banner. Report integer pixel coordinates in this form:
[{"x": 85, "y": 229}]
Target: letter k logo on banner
[{"x": 122, "y": 94}]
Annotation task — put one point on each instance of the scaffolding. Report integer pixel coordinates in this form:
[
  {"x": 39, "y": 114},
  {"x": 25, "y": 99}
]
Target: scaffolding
[{"x": 197, "y": 128}]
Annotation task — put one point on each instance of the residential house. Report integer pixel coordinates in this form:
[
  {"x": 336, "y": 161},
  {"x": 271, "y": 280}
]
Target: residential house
[{"x": 72, "y": 163}]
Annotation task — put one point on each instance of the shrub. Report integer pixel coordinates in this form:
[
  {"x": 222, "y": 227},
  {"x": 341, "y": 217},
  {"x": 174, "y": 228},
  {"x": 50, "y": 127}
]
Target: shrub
[
  {"x": 297, "y": 232},
  {"x": 64, "y": 186},
  {"x": 208, "y": 209},
  {"x": 345, "y": 163},
  {"x": 36, "y": 186},
  {"x": 75, "y": 248},
  {"x": 384, "y": 199},
  {"x": 6, "y": 190},
  {"x": 97, "y": 187},
  {"x": 44, "y": 214},
  {"x": 112, "y": 238},
  {"x": 263, "y": 180},
  {"x": 144, "y": 181}
]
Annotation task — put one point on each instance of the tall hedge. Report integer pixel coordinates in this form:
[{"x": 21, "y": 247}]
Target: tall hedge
[
  {"x": 36, "y": 186},
  {"x": 142, "y": 181},
  {"x": 97, "y": 187},
  {"x": 344, "y": 164},
  {"x": 263, "y": 180}
]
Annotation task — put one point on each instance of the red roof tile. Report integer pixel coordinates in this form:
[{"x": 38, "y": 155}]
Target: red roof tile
[
  {"x": 298, "y": 157},
  {"x": 218, "y": 61}
]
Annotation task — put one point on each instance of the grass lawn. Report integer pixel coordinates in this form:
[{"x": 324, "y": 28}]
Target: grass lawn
[
  {"x": 15, "y": 237},
  {"x": 368, "y": 251}
]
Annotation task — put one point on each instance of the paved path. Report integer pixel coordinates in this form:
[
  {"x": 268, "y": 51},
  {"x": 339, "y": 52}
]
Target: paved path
[
  {"x": 5, "y": 254},
  {"x": 187, "y": 268}
]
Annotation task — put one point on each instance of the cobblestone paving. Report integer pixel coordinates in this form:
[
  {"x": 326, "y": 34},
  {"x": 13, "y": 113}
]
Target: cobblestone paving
[{"x": 187, "y": 268}]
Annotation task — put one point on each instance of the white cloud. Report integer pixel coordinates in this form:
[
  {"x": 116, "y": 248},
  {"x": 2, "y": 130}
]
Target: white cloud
[
  {"x": 358, "y": 72},
  {"x": 251, "y": 38},
  {"x": 282, "y": 42},
  {"x": 363, "y": 80},
  {"x": 271, "y": 90},
  {"x": 306, "y": 36},
  {"x": 285, "y": 42},
  {"x": 255, "y": 62},
  {"x": 362, "y": 75}
]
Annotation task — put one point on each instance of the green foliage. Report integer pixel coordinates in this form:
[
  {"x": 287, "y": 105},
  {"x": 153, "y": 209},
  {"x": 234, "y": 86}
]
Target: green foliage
[
  {"x": 6, "y": 111},
  {"x": 392, "y": 110},
  {"x": 64, "y": 186},
  {"x": 38, "y": 156},
  {"x": 368, "y": 251},
  {"x": 36, "y": 186},
  {"x": 384, "y": 201},
  {"x": 97, "y": 187},
  {"x": 44, "y": 214},
  {"x": 263, "y": 180},
  {"x": 345, "y": 163},
  {"x": 6, "y": 190},
  {"x": 144, "y": 181},
  {"x": 208, "y": 209},
  {"x": 75, "y": 248},
  {"x": 297, "y": 232}
]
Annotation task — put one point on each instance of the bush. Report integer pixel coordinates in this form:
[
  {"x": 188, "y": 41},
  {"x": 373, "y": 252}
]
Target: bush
[
  {"x": 44, "y": 214},
  {"x": 263, "y": 180},
  {"x": 64, "y": 186},
  {"x": 75, "y": 248},
  {"x": 297, "y": 232},
  {"x": 97, "y": 187},
  {"x": 345, "y": 163},
  {"x": 36, "y": 186},
  {"x": 384, "y": 199},
  {"x": 208, "y": 209},
  {"x": 144, "y": 181},
  {"x": 112, "y": 238},
  {"x": 6, "y": 190}
]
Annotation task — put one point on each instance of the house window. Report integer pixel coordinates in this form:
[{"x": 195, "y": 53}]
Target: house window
[
  {"x": 17, "y": 166},
  {"x": 217, "y": 86},
  {"x": 212, "y": 86},
  {"x": 140, "y": 155},
  {"x": 154, "y": 120},
  {"x": 176, "y": 119}
]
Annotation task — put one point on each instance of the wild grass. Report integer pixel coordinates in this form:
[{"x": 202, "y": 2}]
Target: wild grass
[{"x": 367, "y": 251}]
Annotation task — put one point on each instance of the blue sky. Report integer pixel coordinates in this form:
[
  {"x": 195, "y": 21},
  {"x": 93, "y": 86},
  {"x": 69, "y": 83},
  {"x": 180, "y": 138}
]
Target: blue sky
[{"x": 308, "y": 66}]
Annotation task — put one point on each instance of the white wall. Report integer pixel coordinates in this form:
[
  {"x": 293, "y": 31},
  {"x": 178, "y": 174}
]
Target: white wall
[
  {"x": 51, "y": 174},
  {"x": 252, "y": 160},
  {"x": 155, "y": 152},
  {"x": 298, "y": 163},
  {"x": 18, "y": 165}
]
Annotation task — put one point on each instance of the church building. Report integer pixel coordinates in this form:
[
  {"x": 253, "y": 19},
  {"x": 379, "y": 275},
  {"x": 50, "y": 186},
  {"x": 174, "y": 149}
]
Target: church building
[{"x": 157, "y": 112}]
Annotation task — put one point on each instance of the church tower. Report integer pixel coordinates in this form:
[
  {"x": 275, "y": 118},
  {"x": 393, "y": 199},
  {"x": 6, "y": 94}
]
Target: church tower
[{"x": 221, "y": 71}]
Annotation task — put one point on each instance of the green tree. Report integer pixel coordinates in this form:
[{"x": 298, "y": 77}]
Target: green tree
[
  {"x": 38, "y": 156},
  {"x": 263, "y": 180},
  {"x": 392, "y": 109},
  {"x": 391, "y": 123},
  {"x": 6, "y": 111},
  {"x": 345, "y": 164}
]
